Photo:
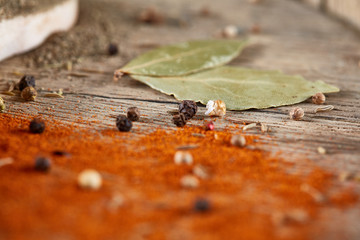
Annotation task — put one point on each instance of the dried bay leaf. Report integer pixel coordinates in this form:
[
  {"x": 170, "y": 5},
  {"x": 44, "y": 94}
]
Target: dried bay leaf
[
  {"x": 184, "y": 58},
  {"x": 239, "y": 88}
]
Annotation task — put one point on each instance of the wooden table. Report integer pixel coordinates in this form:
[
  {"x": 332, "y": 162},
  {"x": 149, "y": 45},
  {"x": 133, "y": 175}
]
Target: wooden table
[{"x": 294, "y": 38}]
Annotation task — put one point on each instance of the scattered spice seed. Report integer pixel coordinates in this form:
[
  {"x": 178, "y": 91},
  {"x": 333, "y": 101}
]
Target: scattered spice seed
[
  {"x": 318, "y": 98},
  {"x": 249, "y": 126},
  {"x": 42, "y": 164},
  {"x": 89, "y": 179},
  {"x": 296, "y": 114},
  {"x": 321, "y": 150},
  {"x": 53, "y": 95},
  {"x": 324, "y": 108},
  {"x": 179, "y": 120},
  {"x": 189, "y": 181},
  {"x": 205, "y": 11},
  {"x": 26, "y": 81},
  {"x": 188, "y": 108},
  {"x": 112, "y": 49},
  {"x": 29, "y": 94},
  {"x": 201, "y": 172},
  {"x": 215, "y": 108},
  {"x": 230, "y": 31},
  {"x": 256, "y": 28},
  {"x": 37, "y": 126},
  {"x": 238, "y": 141},
  {"x": 198, "y": 135},
  {"x": 150, "y": 16},
  {"x": 6, "y": 161},
  {"x": 79, "y": 75},
  {"x": 116, "y": 201},
  {"x": 209, "y": 126},
  {"x": 202, "y": 205},
  {"x": 263, "y": 127},
  {"x": 123, "y": 123},
  {"x": 187, "y": 147},
  {"x": 314, "y": 193},
  {"x": 183, "y": 157},
  {"x": 8, "y": 93},
  {"x": 2, "y": 105},
  {"x": 133, "y": 114}
]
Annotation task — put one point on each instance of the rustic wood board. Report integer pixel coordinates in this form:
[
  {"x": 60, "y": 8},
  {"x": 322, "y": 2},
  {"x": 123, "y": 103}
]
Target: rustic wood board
[
  {"x": 348, "y": 10},
  {"x": 289, "y": 41}
]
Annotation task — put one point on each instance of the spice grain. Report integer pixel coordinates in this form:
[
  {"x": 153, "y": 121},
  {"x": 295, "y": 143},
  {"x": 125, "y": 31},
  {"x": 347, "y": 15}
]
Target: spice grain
[
  {"x": 42, "y": 164},
  {"x": 133, "y": 114},
  {"x": 37, "y": 126},
  {"x": 318, "y": 98},
  {"x": 188, "y": 108},
  {"x": 179, "y": 120},
  {"x": 296, "y": 114},
  {"x": 26, "y": 81},
  {"x": 29, "y": 94},
  {"x": 123, "y": 123}
]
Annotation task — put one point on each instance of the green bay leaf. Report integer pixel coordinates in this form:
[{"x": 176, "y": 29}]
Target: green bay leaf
[
  {"x": 184, "y": 58},
  {"x": 239, "y": 88}
]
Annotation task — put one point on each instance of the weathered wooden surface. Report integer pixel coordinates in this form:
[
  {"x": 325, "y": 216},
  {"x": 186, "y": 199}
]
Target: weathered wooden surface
[
  {"x": 289, "y": 41},
  {"x": 348, "y": 10}
]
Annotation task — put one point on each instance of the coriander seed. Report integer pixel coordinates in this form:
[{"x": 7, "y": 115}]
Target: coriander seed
[
  {"x": 133, "y": 114},
  {"x": 2, "y": 105},
  {"x": 37, "y": 126},
  {"x": 189, "y": 181},
  {"x": 123, "y": 123},
  {"x": 112, "y": 49},
  {"x": 238, "y": 141},
  {"x": 89, "y": 179},
  {"x": 230, "y": 31},
  {"x": 318, "y": 98},
  {"x": 42, "y": 164},
  {"x": 183, "y": 157},
  {"x": 215, "y": 108},
  {"x": 188, "y": 108},
  {"x": 179, "y": 120},
  {"x": 296, "y": 114},
  {"x": 26, "y": 81},
  {"x": 202, "y": 205},
  {"x": 29, "y": 94}
]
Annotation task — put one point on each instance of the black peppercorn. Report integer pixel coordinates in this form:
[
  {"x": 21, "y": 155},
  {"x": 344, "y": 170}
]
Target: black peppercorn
[
  {"x": 42, "y": 164},
  {"x": 26, "y": 81},
  {"x": 133, "y": 113},
  {"x": 201, "y": 205},
  {"x": 113, "y": 49},
  {"x": 179, "y": 120},
  {"x": 123, "y": 123},
  {"x": 37, "y": 126},
  {"x": 188, "y": 108}
]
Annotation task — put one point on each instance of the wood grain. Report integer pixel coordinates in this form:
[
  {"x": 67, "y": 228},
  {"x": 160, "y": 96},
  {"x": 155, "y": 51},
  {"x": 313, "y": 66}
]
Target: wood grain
[
  {"x": 348, "y": 11},
  {"x": 289, "y": 41}
]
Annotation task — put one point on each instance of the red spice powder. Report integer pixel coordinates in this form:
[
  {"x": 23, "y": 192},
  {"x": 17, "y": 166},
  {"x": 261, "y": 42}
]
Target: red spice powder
[{"x": 252, "y": 195}]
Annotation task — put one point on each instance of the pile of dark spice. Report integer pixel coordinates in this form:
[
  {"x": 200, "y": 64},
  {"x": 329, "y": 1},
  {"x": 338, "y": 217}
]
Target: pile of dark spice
[
  {"x": 90, "y": 37},
  {"x": 10, "y": 9},
  {"x": 241, "y": 192}
]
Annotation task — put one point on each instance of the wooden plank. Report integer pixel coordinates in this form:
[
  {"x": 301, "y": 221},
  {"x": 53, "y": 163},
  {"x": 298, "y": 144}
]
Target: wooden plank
[
  {"x": 348, "y": 11},
  {"x": 324, "y": 51}
]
